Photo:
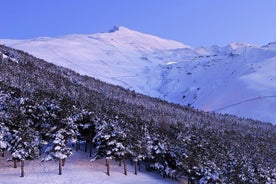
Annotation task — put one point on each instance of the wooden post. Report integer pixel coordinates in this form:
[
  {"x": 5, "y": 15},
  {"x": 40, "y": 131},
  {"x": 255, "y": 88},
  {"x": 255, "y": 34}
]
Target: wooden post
[
  {"x": 125, "y": 169},
  {"x": 14, "y": 163},
  {"x": 120, "y": 162},
  {"x": 90, "y": 153},
  {"x": 77, "y": 146},
  {"x": 139, "y": 165},
  {"x": 107, "y": 167},
  {"x": 22, "y": 168},
  {"x": 90, "y": 144},
  {"x": 63, "y": 161},
  {"x": 85, "y": 148},
  {"x": 147, "y": 165},
  {"x": 135, "y": 167},
  {"x": 59, "y": 166}
]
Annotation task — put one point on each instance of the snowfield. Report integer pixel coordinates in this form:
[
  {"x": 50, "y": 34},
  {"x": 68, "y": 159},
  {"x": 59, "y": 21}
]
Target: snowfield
[
  {"x": 77, "y": 170},
  {"x": 238, "y": 79}
]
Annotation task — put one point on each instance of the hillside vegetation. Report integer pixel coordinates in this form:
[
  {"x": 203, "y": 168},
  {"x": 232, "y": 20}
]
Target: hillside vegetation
[{"x": 57, "y": 107}]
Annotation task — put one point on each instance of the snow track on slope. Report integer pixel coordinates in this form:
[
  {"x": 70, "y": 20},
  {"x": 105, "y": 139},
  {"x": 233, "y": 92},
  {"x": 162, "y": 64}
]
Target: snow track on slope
[{"x": 244, "y": 101}]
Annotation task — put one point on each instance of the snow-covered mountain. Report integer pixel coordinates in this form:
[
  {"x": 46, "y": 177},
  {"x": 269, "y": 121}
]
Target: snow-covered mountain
[{"x": 237, "y": 79}]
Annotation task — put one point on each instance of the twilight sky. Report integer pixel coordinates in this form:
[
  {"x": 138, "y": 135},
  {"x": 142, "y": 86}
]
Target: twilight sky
[{"x": 192, "y": 22}]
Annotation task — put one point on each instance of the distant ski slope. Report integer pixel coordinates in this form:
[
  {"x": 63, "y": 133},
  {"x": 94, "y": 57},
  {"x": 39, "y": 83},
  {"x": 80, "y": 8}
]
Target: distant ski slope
[{"x": 213, "y": 78}]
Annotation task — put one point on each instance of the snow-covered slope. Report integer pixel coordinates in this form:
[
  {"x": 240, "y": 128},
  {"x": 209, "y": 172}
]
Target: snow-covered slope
[
  {"x": 78, "y": 169},
  {"x": 238, "y": 79}
]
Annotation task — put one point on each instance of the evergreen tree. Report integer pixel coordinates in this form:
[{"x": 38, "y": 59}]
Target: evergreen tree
[
  {"x": 3, "y": 138},
  {"x": 23, "y": 139},
  {"x": 110, "y": 141},
  {"x": 61, "y": 137}
]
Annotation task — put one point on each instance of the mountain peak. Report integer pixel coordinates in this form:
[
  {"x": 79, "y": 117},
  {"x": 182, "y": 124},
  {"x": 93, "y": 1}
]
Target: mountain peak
[
  {"x": 117, "y": 28},
  {"x": 140, "y": 40},
  {"x": 114, "y": 29}
]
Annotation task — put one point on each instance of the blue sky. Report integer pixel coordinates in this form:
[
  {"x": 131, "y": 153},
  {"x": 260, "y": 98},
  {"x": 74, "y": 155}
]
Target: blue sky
[{"x": 193, "y": 22}]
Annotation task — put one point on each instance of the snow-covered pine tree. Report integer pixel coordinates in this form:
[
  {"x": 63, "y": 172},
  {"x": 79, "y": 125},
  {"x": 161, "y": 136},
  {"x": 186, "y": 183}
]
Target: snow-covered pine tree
[
  {"x": 159, "y": 151},
  {"x": 86, "y": 120},
  {"x": 118, "y": 144},
  {"x": 4, "y": 133},
  {"x": 190, "y": 163},
  {"x": 23, "y": 146},
  {"x": 110, "y": 140},
  {"x": 57, "y": 150},
  {"x": 23, "y": 139},
  {"x": 139, "y": 145},
  {"x": 61, "y": 136}
]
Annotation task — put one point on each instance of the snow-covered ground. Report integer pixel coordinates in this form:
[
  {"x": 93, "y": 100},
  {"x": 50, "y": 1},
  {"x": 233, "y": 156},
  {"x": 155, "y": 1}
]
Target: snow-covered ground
[
  {"x": 238, "y": 79},
  {"x": 77, "y": 170}
]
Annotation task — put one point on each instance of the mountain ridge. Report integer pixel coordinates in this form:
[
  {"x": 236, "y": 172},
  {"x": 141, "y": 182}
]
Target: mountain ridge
[{"x": 208, "y": 78}]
